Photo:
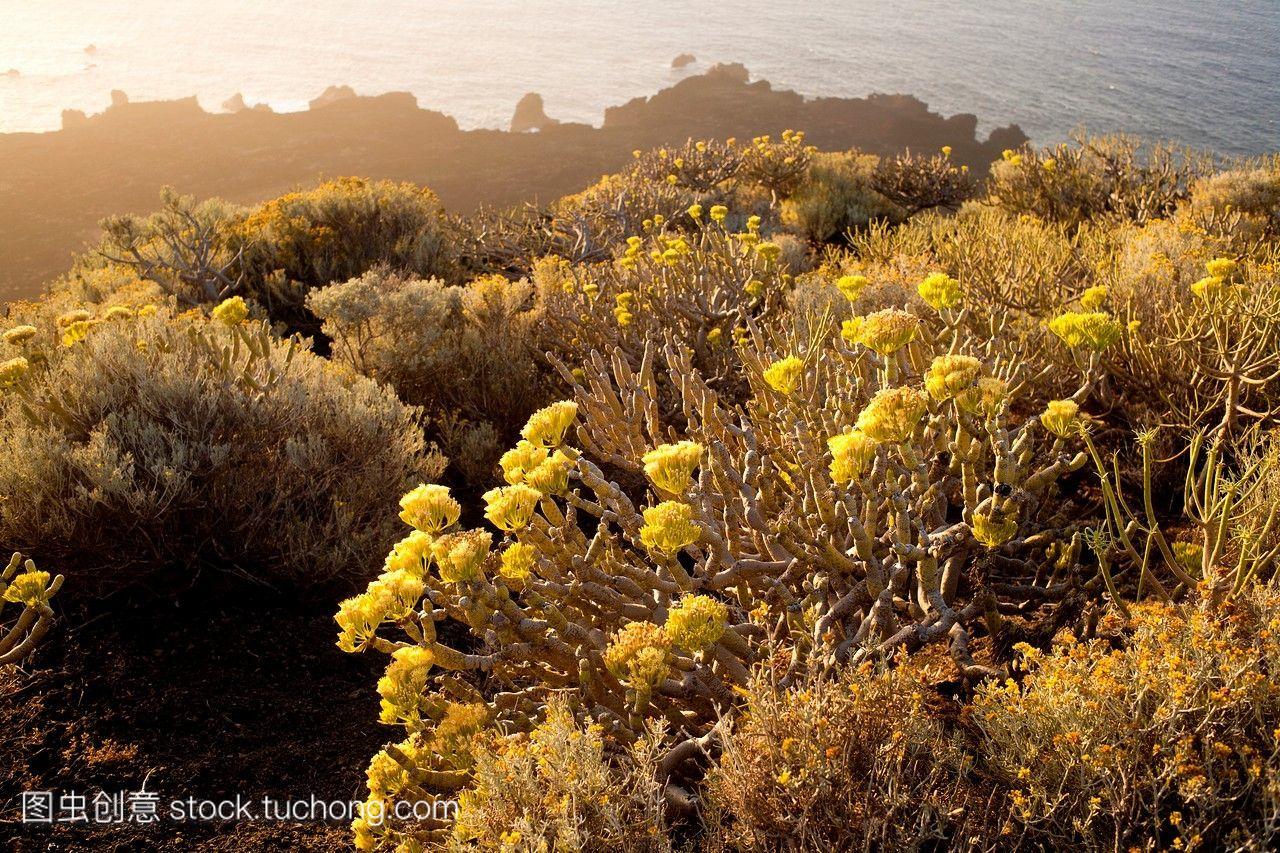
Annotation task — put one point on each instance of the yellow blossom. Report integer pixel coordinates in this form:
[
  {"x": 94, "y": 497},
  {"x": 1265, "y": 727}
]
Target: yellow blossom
[
  {"x": 851, "y": 329},
  {"x": 517, "y": 462},
  {"x": 784, "y": 375},
  {"x": 851, "y": 455},
  {"x": 670, "y": 466},
  {"x": 511, "y": 507},
  {"x": 852, "y": 286},
  {"x": 75, "y": 332},
  {"x": 231, "y": 311},
  {"x": 1094, "y": 297},
  {"x": 1223, "y": 268},
  {"x": 409, "y": 554},
  {"x": 1096, "y": 330},
  {"x": 78, "y": 315},
  {"x": 546, "y": 427},
  {"x": 986, "y": 396},
  {"x": 940, "y": 291},
  {"x": 993, "y": 530},
  {"x": 1059, "y": 417},
  {"x": 893, "y": 414},
  {"x": 949, "y": 375},
  {"x": 888, "y": 330},
  {"x": 29, "y": 588},
  {"x": 769, "y": 252},
  {"x": 460, "y": 556},
  {"x": 1209, "y": 286},
  {"x": 639, "y": 655},
  {"x": 518, "y": 561},
  {"x": 696, "y": 622},
  {"x": 668, "y": 527},
  {"x": 429, "y": 508},
  {"x": 19, "y": 335},
  {"x": 12, "y": 370},
  {"x": 404, "y": 682}
]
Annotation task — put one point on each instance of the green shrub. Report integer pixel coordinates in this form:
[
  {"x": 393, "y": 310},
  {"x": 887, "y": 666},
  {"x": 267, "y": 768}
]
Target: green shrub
[
  {"x": 837, "y": 195},
  {"x": 1165, "y": 736},
  {"x": 203, "y": 252},
  {"x": 133, "y": 445},
  {"x": 468, "y": 354},
  {"x": 858, "y": 762}
]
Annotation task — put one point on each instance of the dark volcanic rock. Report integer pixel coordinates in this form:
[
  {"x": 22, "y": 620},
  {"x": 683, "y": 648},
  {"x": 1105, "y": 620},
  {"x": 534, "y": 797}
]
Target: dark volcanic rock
[
  {"x": 331, "y": 95},
  {"x": 530, "y": 115}
]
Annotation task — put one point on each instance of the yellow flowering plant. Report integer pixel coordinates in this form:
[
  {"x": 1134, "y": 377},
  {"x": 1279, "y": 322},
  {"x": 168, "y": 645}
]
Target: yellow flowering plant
[{"x": 30, "y": 589}]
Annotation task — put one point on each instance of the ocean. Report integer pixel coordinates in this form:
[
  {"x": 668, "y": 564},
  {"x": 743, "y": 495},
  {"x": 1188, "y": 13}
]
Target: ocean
[{"x": 1206, "y": 74}]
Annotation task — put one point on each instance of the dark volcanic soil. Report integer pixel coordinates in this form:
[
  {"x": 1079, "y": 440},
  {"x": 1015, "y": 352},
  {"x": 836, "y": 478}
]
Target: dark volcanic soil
[{"x": 205, "y": 700}]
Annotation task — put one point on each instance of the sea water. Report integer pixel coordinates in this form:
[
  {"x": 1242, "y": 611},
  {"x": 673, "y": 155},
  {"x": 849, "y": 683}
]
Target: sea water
[{"x": 1201, "y": 72}]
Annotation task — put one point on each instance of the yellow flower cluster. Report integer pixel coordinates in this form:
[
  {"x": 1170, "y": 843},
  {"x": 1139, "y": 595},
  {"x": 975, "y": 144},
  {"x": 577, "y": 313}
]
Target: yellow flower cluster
[
  {"x": 536, "y": 467},
  {"x": 1059, "y": 417},
  {"x": 231, "y": 312},
  {"x": 1223, "y": 268},
  {"x": 668, "y": 527},
  {"x": 546, "y": 427},
  {"x": 622, "y": 312},
  {"x": 851, "y": 455},
  {"x": 118, "y": 312},
  {"x": 29, "y": 588},
  {"x": 719, "y": 212},
  {"x": 460, "y": 556},
  {"x": 639, "y": 655},
  {"x": 1209, "y": 287},
  {"x": 893, "y": 414},
  {"x": 429, "y": 508},
  {"x": 404, "y": 682},
  {"x": 12, "y": 370},
  {"x": 518, "y": 561},
  {"x": 76, "y": 331},
  {"x": 511, "y": 507},
  {"x": 1221, "y": 272},
  {"x": 851, "y": 329},
  {"x": 993, "y": 529},
  {"x": 697, "y": 622},
  {"x": 409, "y": 554},
  {"x": 552, "y": 476},
  {"x": 985, "y": 398},
  {"x": 1190, "y": 555},
  {"x": 784, "y": 375},
  {"x": 940, "y": 291},
  {"x": 1095, "y": 297},
  {"x": 670, "y": 466},
  {"x": 392, "y": 596},
  {"x": 769, "y": 252},
  {"x": 950, "y": 375},
  {"x": 888, "y": 330},
  {"x": 852, "y": 286},
  {"x": 19, "y": 335},
  {"x": 78, "y": 315},
  {"x": 1094, "y": 329}
]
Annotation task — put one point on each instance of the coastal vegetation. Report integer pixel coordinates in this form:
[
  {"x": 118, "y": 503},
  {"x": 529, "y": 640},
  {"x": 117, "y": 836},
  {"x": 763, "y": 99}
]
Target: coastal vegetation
[{"x": 753, "y": 497}]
